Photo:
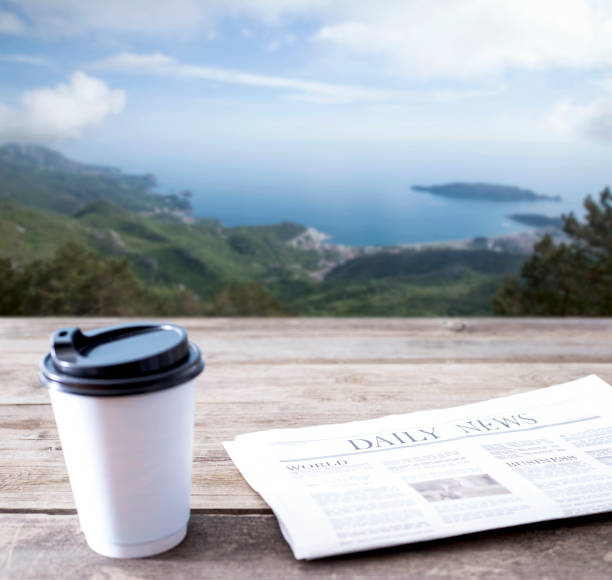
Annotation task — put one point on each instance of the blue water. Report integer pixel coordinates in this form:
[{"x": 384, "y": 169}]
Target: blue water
[
  {"x": 383, "y": 217},
  {"x": 361, "y": 195},
  {"x": 359, "y": 204}
]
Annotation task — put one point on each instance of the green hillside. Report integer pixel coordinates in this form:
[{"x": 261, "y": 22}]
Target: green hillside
[
  {"x": 28, "y": 233},
  {"x": 415, "y": 262},
  {"x": 38, "y": 177},
  {"x": 423, "y": 283},
  {"x": 51, "y": 206},
  {"x": 201, "y": 256}
]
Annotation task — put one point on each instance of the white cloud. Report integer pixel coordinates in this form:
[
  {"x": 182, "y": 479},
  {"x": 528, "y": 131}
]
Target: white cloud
[
  {"x": 604, "y": 83},
  {"x": 22, "y": 59},
  {"x": 182, "y": 17},
  {"x": 11, "y": 24},
  {"x": 78, "y": 17},
  {"x": 272, "y": 12},
  {"x": 158, "y": 63},
  {"x": 444, "y": 39},
  {"x": 315, "y": 91},
  {"x": 472, "y": 38},
  {"x": 61, "y": 112},
  {"x": 451, "y": 95},
  {"x": 272, "y": 46},
  {"x": 133, "y": 62},
  {"x": 591, "y": 121}
]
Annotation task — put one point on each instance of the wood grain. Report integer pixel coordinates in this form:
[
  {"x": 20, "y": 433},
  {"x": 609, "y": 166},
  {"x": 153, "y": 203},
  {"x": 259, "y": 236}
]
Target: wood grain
[
  {"x": 274, "y": 341},
  {"x": 272, "y": 373},
  {"x": 251, "y": 546},
  {"x": 240, "y": 399}
]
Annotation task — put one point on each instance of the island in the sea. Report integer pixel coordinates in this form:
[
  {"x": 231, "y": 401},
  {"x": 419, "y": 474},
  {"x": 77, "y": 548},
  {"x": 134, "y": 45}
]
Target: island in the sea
[
  {"x": 537, "y": 220},
  {"x": 485, "y": 192}
]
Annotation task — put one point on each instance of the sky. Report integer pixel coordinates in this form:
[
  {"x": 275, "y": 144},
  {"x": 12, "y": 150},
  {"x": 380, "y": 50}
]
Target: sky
[{"x": 318, "y": 92}]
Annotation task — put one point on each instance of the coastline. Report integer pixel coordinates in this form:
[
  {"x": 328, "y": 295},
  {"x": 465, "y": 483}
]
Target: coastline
[{"x": 333, "y": 255}]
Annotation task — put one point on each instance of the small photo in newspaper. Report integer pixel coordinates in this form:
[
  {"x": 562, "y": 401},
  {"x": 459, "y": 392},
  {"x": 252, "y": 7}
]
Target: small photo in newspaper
[{"x": 465, "y": 487}]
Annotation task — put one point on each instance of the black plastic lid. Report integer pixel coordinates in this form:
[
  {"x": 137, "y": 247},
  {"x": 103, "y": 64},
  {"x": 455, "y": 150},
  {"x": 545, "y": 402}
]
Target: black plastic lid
[{"x": 120, "y": 360}]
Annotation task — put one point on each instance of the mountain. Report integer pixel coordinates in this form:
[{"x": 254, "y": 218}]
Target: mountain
[
  {"x": 201, "y": 256},
  {"x": 414, "y": 262},
  {"x": 47, "y": 159},
  {"x": 39, "y": 177},
  {"x": 484, "y": 192},
  {"x": 454, "y": 290},
  {"x": 48, "y": 201}
]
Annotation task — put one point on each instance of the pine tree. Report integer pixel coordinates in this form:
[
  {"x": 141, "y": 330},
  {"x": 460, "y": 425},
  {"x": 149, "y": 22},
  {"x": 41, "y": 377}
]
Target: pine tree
[{"x": 567, "y": 279}]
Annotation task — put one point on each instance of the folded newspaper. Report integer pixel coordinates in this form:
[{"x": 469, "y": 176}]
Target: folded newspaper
[{"x": 540, "y": 455}]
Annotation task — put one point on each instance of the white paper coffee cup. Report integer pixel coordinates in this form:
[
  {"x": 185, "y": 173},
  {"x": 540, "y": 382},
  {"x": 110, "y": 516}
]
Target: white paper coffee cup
[{"x": 127, "y": 440}]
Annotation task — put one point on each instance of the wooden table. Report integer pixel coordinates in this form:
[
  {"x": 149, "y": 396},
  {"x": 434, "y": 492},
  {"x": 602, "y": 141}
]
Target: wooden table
[{"x": 270, "y": 373}]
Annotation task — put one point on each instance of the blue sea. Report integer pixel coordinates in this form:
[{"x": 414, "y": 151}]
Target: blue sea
[
  {"x": 361, "y": 206},
  {"x": 384, "y": 217},
  {"x": 363, "y": 197}
]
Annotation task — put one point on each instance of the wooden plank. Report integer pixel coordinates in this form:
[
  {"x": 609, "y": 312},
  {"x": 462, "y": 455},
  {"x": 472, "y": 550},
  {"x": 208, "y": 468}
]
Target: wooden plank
[
  {"x": 271, "y": 341},
  {"x": 245, "y": 546},
  {"x": 286, "y": 373},
  {"x": 234, "y": 399},
  {"x": 448, "y": 384},
  {"x": 30, "y": 326}
]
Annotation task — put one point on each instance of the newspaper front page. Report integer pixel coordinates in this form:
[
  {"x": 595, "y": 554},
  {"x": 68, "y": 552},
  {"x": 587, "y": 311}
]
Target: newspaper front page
[{"x": 541, "y": 455}]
